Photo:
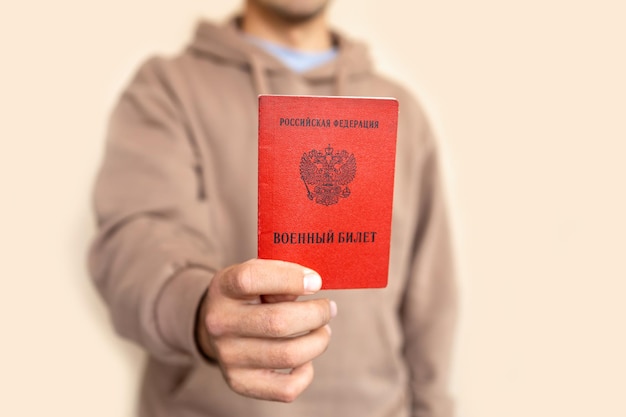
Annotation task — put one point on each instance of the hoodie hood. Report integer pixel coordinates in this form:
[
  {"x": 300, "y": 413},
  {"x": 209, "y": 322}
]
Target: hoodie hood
[{"x": 226, "y": 44}]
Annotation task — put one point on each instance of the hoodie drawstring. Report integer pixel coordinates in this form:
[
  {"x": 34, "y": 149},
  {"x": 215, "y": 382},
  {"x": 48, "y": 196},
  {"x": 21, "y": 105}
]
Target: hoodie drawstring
[
  {"x": 341, "y": 78},
  {"x": 259, "y": 80}
]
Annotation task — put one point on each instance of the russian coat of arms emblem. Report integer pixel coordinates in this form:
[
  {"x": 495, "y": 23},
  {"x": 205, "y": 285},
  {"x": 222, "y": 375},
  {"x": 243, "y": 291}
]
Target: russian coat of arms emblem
[{"x": 326, "y": 174}]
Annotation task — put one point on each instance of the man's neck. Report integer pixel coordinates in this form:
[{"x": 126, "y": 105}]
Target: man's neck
[{"x": 311, "y": 35}]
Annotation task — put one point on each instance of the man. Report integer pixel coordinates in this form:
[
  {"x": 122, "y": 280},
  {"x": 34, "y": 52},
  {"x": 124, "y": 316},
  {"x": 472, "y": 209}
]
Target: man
[{"x": 174, "y": 257}]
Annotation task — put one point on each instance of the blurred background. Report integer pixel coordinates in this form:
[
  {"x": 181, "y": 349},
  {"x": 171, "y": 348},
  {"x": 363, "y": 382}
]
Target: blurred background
[{"x": 529, "y": 100}]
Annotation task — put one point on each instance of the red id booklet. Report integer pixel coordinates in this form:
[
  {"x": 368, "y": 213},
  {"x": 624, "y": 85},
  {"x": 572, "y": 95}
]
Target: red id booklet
[{"x": 326, "y": 175}]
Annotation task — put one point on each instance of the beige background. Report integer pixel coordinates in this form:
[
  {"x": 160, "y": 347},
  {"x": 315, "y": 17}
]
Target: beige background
[{"x": 529, "y": 98}]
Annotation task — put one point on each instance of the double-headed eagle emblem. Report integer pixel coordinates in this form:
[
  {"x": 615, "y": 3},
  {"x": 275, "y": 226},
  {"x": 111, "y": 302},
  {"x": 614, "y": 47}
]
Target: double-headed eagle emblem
[{"x": 326, "y": 175}]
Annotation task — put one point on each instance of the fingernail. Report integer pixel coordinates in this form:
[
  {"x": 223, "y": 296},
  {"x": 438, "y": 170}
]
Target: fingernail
[
  {"x": 333, "y": 308},
  {"x": 312, "y": 281},
  {"x": 328, "y": 329}
]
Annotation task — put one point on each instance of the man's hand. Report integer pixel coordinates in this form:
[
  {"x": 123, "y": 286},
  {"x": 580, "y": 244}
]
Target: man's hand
[{"x": 251, "y": 323}]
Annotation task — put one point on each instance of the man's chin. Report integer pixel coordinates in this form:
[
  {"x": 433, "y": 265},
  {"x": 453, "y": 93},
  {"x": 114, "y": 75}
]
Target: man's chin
[{"x": 290, "y": 16}]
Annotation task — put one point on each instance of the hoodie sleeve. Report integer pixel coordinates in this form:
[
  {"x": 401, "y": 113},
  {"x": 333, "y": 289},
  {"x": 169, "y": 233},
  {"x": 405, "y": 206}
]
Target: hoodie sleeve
[
  {"x": 151, "y": 259},
  {"x": 430, "y": 302}
]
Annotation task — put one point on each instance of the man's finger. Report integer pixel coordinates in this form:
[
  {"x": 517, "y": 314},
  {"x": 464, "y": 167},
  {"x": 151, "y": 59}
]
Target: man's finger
[
  {"x": 275, "y": 320},
  {"x": 285, "y": 353},
  {"x": 263, "y": 277},
  {"x": 271, "y": 385}
]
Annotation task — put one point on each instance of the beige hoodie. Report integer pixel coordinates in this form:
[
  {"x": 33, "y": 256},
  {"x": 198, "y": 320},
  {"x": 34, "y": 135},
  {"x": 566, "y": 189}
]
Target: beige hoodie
[{"x": 177, "y": 191}]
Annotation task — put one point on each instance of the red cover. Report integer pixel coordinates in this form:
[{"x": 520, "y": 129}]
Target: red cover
[{"x": 326, "y": 173}]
